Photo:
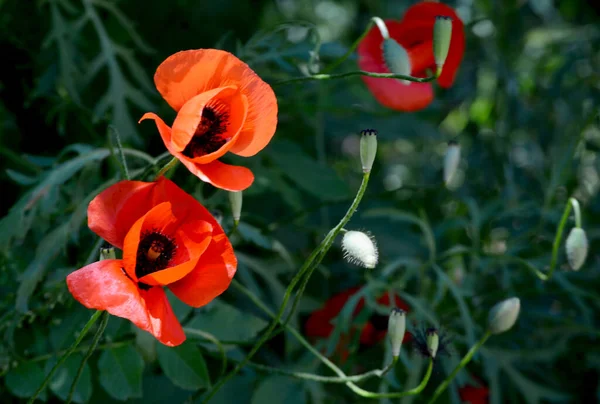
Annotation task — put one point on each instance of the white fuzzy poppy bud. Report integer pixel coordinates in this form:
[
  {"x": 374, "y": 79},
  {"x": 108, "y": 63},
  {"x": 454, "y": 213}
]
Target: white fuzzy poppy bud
[
  {"x": 396, "y": 330},
  {"x": 577, "y": 248},
  {"x": 504, "y": 315},
  {"x": 451, "y": 161},
  {"x": 433, "y": 341},
  {"x": 368, "y": 148},
  {"x": 442, "y": 35},
  {"x": 235, "y": 199},
  {"x": 107, "y": 254},
  {"x": 360, "y": 249},
  {"x": 396, "y": 58}
]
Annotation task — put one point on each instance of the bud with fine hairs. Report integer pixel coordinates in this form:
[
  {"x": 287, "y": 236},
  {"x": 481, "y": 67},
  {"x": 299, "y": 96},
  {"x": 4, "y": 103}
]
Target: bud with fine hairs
[
  {"x": 235, "y": 199},
  {"x": 442, "y": 35},
  {"x": 396, "y": 330},
  {"x": 577, "y": 248},
  {"x": 396, "y": 58},
  {"x": 359, "y": 248},
  {"x": 504, "y": 315},
  {"x": 451, "y": 161},
  {"x": 433, "y": 341},
  {"x": 368, "y": 148}
]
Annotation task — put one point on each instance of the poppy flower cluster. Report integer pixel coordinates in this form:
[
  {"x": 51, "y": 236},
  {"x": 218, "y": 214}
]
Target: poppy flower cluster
[
  {"x": 168, "y": 239},
  {"x": 320, "y": 323},
  {"x": 414, "y": 33}
]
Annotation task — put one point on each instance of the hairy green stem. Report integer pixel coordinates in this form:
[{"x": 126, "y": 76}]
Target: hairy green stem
[
  {"x": 576, "y": 211},
  {"x": 63, "y": 358},
  {"x": 323, "y": 76},
  {"x": 558, "y": 237},
  {"x": 94, "y": 344},
  {"x": 172, "y": 163},
  {"x": 466, "y": 359},
  {"x": 323, "y": 379}
]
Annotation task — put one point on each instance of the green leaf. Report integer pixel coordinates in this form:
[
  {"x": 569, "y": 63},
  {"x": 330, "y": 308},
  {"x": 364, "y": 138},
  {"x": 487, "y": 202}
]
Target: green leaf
[
  {"x": 64, "y": 376},
  {"x": 25, "y": 379},
  {"x": 227, "y": 322},
  {"x": 184, "y": 365},
  {"x": 236, "y": 391},
  {"x": 121, "y": 372},
  {"x": 252, "y": 234},
  {"x": 280, "y": 389},
  {"x": 318, "y": 179}
]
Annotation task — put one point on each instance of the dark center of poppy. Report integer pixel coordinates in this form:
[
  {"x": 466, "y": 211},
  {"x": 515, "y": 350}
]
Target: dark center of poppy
[
  {"x": 154, "y": 253},
  {"x": 208, "y": 137}
]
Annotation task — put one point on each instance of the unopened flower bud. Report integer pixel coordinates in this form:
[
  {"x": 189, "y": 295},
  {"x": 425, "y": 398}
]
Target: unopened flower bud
[
  {"x": 504, "y": 315},
  {"x": 235, "y": 199},
  {"x": 360, "y": 249},
  {"x": 442, "y": 35},
  {"x": 396, "y": 330},
  {"x": 433, "y": 341},
  {"x": 368, "y": 148},
  {"x": 107, "y": 253},
  {"x": 451, "y": 161},
  {"x": 396, "y": 58},
  {"x": 577, "y": 248}
]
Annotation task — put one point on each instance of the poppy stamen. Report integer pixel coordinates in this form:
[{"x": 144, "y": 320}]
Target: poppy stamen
[
  {"x": 155, "y": 252},
  {"x": 208, "y": 137}
]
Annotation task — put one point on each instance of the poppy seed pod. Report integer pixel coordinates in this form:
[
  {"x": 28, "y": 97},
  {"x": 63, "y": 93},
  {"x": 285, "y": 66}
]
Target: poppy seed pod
[
  {"x": 235, "y": 199},
  {"x": 368, "y": 148},
  {"x": 107, "y": 253},
  {"x": 504, "y": 315},
  {"x": 360, "y": 249},
  {"x": 396, "y": 58},
  {"x": 451, "y": 161},
  {"x": 577, "y": 248},
  {"x": 396, "y": 330},
  {"x": 433, "y": 341},
  {"x": 442, "y": 35}
]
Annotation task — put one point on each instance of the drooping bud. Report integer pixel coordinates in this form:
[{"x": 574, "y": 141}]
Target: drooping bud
[
  {"x": 396, "y": 330},
  {"x": 235, "y": 199},
  {"x": 396, "y": 58},
  {"x": 451, "y": 161},
  {"x": 442, "y": 35},
  {"x": 577, "y": 248},
  {"x": 504, "y": 315},
  {"x": 107, "y": 254},
  {"x": 360, "y": 249},
  {"x": 433, "y": 341},
  {"x": 368, "y": 148}
]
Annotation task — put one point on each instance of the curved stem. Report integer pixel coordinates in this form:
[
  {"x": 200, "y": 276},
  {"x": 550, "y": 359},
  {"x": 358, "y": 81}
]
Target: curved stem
[
  {"x": 558, "y": 238},
  {"x": 318, "y": 252},
  {"x": 324, "y": 379},
  {"x": 466, "y": 359},
  {"x": 576, "y": 211},
  {"x": 97, "y": 336},
  {"x": 323, "y": 76},
  {"x": 382, "y": 27},
  {"x": 62, "y": 359},
  {"x": 172, "y": 163}
]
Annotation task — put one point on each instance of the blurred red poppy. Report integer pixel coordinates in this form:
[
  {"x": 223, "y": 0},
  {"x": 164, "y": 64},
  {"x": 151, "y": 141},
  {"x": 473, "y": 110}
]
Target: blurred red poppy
[
  {"x": 415, "y": 34},
  {"x": 222, "y": 106},
  {"x": 474, "y": 395},
  {"x": 168, "y": 239},
  {"x": 319, "y": 324}
]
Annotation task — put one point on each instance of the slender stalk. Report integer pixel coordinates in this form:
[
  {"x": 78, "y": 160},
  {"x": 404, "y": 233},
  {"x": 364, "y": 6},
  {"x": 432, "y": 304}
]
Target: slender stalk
[
  {"x": 172, "y": 163},
  {"x": 323, "y": 379},
  {"x": 121, "y": 159},
  {"x": 576, "y": 211},
  {"x": 97, "y": 336},
  {"x": 63, "y": 358},
  {"x": 466, "y": 359},
  {"x": 319, "y": 252},
  {"x": 558, "y": 238},
  {"x": 323, "y": 76}
]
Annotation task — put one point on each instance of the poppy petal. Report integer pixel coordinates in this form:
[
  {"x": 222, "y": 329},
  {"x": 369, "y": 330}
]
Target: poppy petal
[
  {"x": 163, "y": 323},
  {"x": 211, "y": 277},
  {"x": 112, "y": 212},
  {"x": 104, "y": 286},
  {"x": 221, "y": 175},
  {"x": 191, "y": 239},
  {"x": 186, "y": 74}
]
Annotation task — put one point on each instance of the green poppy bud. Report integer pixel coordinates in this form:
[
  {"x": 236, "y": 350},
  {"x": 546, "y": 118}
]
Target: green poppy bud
[
  {"x": 504, "y": 315},
  {"x": 368, "y": 148},
  {"x": 433, "y": 341},
  {"x": 235, "y": 199},
  {"x": 577, "y": 248},
  {"x": 107, "y": 254},
  {"x": 442, "y": 34},
  {"x": 396, "y": 58},
  {"x": 396, "y": 330}
]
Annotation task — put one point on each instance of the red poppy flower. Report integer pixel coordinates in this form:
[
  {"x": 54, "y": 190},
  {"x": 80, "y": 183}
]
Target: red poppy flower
[
  {"x": 319, "y": 324},
  {"x": 222, "y": 105},
  {"x": 474, "y": 395},
  {"x": 415, "y": 34},
  {"x": 168, "y": 239}
]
